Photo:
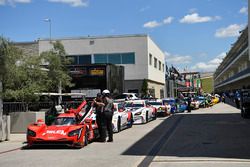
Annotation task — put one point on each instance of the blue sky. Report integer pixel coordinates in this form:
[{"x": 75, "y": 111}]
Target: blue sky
[{"x": 194, "y": 34}]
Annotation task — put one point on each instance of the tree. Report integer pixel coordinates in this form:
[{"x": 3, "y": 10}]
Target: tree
[
  {"x": 56, "y": 62},
  {"x": 144, "y": 88},
  {"x": 22, "y": 74}
]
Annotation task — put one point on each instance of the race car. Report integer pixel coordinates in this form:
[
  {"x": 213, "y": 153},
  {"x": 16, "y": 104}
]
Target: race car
[
  {"x": 73, "y": 128},
  {"x": 162, "y": 109},
  {"x": 122, "y": 118},
  {"x": 142, "y": 112}
]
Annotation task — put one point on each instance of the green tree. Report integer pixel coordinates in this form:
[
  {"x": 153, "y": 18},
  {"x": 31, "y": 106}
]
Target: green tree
[
  {"x": 22, "y": 74},
  {"x": 56, "y": 62},
  {"x": 144, "y": 88}
]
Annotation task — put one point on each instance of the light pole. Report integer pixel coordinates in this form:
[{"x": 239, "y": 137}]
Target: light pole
[{"x": 49, "y": 20}]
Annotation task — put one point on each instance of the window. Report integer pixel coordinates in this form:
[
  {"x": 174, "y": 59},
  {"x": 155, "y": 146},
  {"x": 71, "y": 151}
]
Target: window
[
  {"x": 150, "y": 59},
  {"x": 128, "y": 58},
  {"x": 100, "y": 58},
  {"x": 73, "y": 59},
  {"x": 163, "y": 67},
  {"x": 159, "y": 65},
  {"x": 114, "y": 58},
  {"x": 155, "y": 62},
  {"x": 86, "y": 59}
]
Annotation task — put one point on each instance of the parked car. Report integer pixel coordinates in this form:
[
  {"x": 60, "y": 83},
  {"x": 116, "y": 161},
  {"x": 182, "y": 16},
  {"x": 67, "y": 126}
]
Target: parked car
[
  {"x": 122, "y": 118},
  {"x": 73, "y": 128},
  {"x": 125, "y": 97},
  {"x": 181, "y": 105},
  {"x": 142, "y": 112},
  {"x": 171, "y": 102},
  {"x": 162, "y": 109}
]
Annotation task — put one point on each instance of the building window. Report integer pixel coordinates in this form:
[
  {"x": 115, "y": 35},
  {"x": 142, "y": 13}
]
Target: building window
[
  {"x": 159, "y": 65},
  {"x": 86, "y": 59},
  {"x": 100, "y": 58},
  {"x": 155, "y": 62},
  {"x": 150, "y": 59},
  {"x": 128, "y": 58},
  {"x": 73, "y": 59},
  {"x": 163, "y": 67},
  {"x": 114, "y": 58}
]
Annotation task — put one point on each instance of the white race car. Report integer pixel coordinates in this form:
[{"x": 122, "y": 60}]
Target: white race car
[
  {"x": 162, "y": 109},
  {"x": 142, "y": 112},
  {"x": 122, "y": 118}
]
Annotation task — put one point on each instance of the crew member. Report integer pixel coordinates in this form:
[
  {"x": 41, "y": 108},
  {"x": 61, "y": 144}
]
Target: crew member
[
  {"x": 108, "y": 113},
  {"x": 100, "y": 120}
]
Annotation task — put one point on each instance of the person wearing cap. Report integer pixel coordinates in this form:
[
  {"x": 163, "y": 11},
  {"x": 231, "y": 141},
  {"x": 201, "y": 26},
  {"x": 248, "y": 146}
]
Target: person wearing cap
[
  {"x": 100, "y": 120},
  {"x": 108, "y": 113}
]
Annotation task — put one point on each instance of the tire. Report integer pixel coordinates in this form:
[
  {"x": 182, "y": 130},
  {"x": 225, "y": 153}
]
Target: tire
[
  {"x": 146, "y": 117},
  {"x": 86, "y": 136},
  {"x": 131, "y": 121},
  {"x": 119, "y": 125}
]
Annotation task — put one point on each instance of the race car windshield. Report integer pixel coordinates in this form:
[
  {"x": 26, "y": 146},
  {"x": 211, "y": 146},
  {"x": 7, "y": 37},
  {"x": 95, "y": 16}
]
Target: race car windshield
[
  {"x": 64, "y": 121},
  {"x": 155, "y": 103},
  {"x": 133, "y": 105}
]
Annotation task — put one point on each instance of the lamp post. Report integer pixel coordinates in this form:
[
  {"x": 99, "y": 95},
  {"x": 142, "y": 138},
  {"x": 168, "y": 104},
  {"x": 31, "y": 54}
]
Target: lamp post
[{"x": 49, "y": 20}]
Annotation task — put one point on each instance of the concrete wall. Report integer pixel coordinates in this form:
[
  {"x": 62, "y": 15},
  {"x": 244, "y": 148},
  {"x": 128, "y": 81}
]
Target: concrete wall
[{"x": 20, "y": 120}]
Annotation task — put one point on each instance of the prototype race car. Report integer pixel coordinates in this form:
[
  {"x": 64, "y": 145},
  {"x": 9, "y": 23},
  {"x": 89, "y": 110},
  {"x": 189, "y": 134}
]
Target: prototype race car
[
  {"x": 122, "y": 118},
  {"x": 72, "y": 128},
  {"x": 162, "y": 109},
  {"x": 142, "y": 112}
]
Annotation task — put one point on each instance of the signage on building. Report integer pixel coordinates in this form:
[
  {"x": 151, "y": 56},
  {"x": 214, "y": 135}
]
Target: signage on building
[{"x": 99, "y": 72}]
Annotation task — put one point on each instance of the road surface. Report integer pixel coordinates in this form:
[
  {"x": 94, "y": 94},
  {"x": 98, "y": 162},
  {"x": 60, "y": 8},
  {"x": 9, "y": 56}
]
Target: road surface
[{"x": 215, "y": 136}]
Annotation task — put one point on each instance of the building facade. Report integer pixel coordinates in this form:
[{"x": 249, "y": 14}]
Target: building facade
[
  {"x": 234, "y": 71},
  {"x": 138, "y": 54}
]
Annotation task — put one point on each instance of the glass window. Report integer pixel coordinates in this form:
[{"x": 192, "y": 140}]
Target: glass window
[
  {"x": 150, "y": 59},
  {"x": 73, "y": 59},
  {"x": 159, "y": 65},
  {"x": 100, "y": 58},
  {"x": 163, "y": 67},
  {"x": 114, "y": 58},
  {"x": 155, "y": 62},
  {"x": 86, "y": 59},
  {"x": 128, "y": 58}
]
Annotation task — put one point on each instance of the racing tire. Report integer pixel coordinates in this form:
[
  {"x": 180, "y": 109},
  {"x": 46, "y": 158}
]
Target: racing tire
[
  {"x": 86, "y": 136},
  {"x": 155, "y": 115},
  {"x": 119, "y": 125},
  {"x": 147, "y": 117},
  {"x": 131, "y": 121}
]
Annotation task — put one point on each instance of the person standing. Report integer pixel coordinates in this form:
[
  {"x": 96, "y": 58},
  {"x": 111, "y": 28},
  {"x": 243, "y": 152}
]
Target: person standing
[
  {"x": 108, "y": 113},
  {"x": 189, "y": 103},
  {"x": 100, "y": 119}
]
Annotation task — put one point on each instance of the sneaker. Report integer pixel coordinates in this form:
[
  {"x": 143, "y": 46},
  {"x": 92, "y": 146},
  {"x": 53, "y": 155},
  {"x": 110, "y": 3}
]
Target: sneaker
[{"x": 110, "y": 140}]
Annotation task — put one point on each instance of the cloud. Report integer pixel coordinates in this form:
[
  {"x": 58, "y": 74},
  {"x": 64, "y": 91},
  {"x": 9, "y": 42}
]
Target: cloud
[
  {"x": 211, "y": 65},
  {"x": 13, "y": 2},
  {"x": 195, "y": 18},
  {"x": 74, "y": 3},
  {"x": 154, "y": 23},
  {"x": 177, "y": 59},
  {"x": 244, "y": 10},
  {"x": 230, "y": 31},
  {"x": 144, "y": 8}
]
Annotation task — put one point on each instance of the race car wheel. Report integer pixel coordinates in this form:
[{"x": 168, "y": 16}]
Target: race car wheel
[
  {"x": 146, "y": 116},
  {"x": 130, "y": 122},
  {"x": 86, "y": 136},
  {"x": 119, "y": 125}
]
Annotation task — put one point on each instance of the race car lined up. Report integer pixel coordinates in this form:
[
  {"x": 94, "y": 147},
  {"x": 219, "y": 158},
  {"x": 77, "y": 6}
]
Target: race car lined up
[
  {"x": 122, "y": 118},
  {"x": 73, "y": 128},
  {"x": 162, "y": 109},
  {"x": 142, "y": 112}
]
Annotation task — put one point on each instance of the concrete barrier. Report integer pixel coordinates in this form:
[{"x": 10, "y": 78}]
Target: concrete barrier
[{"x": 20, "y": 120}]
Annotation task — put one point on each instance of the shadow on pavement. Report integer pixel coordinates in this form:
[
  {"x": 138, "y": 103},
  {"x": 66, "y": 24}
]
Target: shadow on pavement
[{"x": 197, "y": 135}]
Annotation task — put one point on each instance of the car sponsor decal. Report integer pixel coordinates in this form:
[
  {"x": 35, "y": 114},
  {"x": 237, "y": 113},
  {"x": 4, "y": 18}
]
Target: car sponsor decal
[{"x": 60, "y": 132}]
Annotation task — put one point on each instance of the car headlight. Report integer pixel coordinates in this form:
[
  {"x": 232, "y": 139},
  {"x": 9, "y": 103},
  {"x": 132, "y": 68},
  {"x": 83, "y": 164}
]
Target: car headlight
[
  {"x": 31, "y": 133},
  {"x": 138, "y": 113},
  {"x": 75, "y": 132}
]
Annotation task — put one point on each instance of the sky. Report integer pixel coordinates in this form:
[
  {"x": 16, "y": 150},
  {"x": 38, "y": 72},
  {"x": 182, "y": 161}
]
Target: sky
[{"x": 195, "y": 35}]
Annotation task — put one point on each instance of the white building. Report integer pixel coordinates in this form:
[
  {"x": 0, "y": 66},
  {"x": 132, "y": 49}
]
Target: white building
[{"x": 140, "y": 56}]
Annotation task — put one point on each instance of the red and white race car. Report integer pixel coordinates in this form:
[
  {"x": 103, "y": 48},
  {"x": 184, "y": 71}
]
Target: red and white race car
[
  {"x": 162, "y": 109},
  {"x": 73, "y": 128},
  {"x": 142, "y": 112},
  {"x": 122, "y": 118}
]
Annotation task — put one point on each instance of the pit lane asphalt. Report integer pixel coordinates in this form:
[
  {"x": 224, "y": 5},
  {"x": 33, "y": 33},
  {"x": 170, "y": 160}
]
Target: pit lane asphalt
[{"x": 216, "y": 136}]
